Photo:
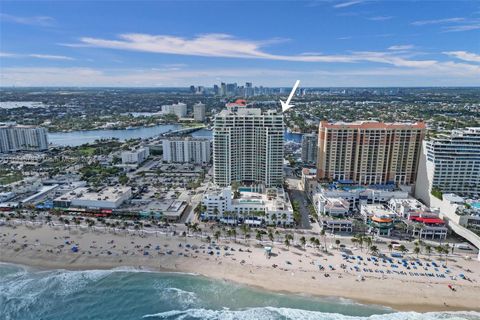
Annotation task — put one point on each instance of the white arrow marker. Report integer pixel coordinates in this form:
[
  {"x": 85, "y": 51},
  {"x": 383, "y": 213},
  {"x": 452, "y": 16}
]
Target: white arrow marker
[{"x": 287, "y": 105}]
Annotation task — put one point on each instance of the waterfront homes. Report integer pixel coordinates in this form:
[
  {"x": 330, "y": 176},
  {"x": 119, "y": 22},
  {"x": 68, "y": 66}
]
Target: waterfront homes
[
  {"x": 271, "y": 207},
  {"x": 107, "y": 198}
]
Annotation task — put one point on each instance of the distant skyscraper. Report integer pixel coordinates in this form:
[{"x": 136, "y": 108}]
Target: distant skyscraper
[
  {"x": 369, "y": 152},
  {"x": 231, "y": 89},
  {"x": 192, "y": 89},
  {"x": 199, "y": 112},
  {"x": 223, "y": 89},
  {"x": 450, "y": 163},
  {"x": 248, "y": 89},
  {"x": 15, "y": 138},
  {"x": 309, "y": 148},
  {"x": 216, "y": 90},
  {"x": 248, "y": 146}
]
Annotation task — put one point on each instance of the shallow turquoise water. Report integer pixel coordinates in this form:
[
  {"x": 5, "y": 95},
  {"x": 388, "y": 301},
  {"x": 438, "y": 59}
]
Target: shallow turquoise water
[{"x": 130, "y": 294}]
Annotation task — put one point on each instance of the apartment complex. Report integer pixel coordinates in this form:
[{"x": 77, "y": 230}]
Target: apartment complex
[
  {"x": 309, "y": 148},
  {"x": 451, "y": 163},
  {"x": 186, "y": 150},
  {"x": 136, "y": 156},
  {"x": 15, "y": 138},
  {"x": 179, "y": 109},
  {"x": 369, "y": 152},
  {"x": 248, "y": 146},
  {"x": 199, "y": 112}
]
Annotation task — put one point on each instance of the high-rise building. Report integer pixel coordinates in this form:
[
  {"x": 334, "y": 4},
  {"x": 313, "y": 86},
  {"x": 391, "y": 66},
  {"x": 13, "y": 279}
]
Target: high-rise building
[
  {"x": 231, "y": 89},
  {"x": 216, "y": 90},
  {"x": 15, "y": 138},
  {"x": 451, "y": 164},
  {"x": 369, "y": 152},
  {"x": 248, "y": 146},
  {"x": 309, "y": 148},
  {"x": 223, "y": 89},
  {"x": 248, "y": 89},
  {"x": 186, "y": 150},
  {"x": 179, "y": 109},
  {"x": 199, "y": 112}
]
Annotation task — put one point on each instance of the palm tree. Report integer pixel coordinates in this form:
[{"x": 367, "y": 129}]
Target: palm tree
[
  {"x": 303, "y": 241},
  {"x": 337, "y": 242},
  {"x": 374, "y": 250},
  {"x": 360, "y": 239},
  {"x": 287, "y": 243},
  {"x": 258, "y": 236},
  {"x": 403, "y": 249},
  {"x": 312, "y": 241},
  {"x": 234, "y": 234},
  {"x": 416, "y": 250},
  {"x": 317, "y": 243},
  {"x": 390, "y": 247},
  {"x": 270, "y": 235},
  {"x": 322, "y": 233},
  {"x": 368, "y": 242},
  {"x": 428, "y": 249},
  {"x": 209, "y": 239},
  {"x": 217, "y": 235}
]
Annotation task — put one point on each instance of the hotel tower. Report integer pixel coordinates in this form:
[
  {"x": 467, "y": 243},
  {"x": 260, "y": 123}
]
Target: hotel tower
[{"x": 369, "y": 152}]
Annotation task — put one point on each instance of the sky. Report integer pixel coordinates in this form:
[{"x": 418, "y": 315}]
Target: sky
[{"x": 355, "y": 43}]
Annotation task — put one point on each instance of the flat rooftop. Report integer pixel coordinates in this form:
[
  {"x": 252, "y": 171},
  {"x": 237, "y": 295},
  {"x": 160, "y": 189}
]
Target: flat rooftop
[{"x": 106, "y": 194}]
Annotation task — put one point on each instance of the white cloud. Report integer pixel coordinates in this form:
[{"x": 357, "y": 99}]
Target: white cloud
[
  {"x": 347, "y": 4},
  {"x": 463, "y": 27},
  {"x": 401, "y": 47},
  {"x": 437, "y": 21},
  {"x": 227, "y": 46},
  {"x": 35, "y": 20},
  {"x": 380, "y": 18},
  {"x": 35, "y": 55},
  {"x": 448, "y": 73},
  {"x": 50, "y": 57},
  {"x": 464, "y": 55}
]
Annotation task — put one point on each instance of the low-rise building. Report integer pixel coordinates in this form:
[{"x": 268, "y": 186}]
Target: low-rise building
[
  {"x": 271, "y": 208},
  {"x": 336, "y": 225},
  {"x": 379, "y": 218},
  {"x": 357, "y": 195},
  {"x": 107, "y": 198},
  {"x": 334, "y": 207},
  {"x": 135, "y": 156},
  {"x": 308, "y": 181}
]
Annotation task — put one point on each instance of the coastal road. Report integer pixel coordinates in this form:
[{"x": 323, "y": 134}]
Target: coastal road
[{"x": 298, "y": 195}]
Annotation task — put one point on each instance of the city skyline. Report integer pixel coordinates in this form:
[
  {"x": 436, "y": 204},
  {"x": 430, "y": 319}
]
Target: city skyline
[{"x": 335, "y": 43}]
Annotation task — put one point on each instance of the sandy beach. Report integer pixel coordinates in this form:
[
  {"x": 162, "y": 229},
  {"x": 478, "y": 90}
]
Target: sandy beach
[{"x": 293, "y": 270}]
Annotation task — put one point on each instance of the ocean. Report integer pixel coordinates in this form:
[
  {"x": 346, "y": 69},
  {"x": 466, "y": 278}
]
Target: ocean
[{"x": 28, "y": 293}]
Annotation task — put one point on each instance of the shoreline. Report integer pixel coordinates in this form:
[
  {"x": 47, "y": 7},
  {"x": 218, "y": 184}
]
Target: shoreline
[
  {"x": 118, "y": 268},
  {"x": 419, "y": 296}
]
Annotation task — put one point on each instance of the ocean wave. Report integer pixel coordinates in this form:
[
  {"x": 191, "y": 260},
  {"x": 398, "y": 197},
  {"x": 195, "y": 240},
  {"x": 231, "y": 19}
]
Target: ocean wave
[{"x": 270, "y": 313}]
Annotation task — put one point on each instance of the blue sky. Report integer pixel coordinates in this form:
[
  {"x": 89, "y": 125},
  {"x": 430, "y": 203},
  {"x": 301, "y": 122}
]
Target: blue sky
[{"x": 272, "y": 43}]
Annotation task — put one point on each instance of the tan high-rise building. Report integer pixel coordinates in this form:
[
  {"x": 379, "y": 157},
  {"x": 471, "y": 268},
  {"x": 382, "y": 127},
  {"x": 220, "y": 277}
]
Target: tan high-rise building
[{"x": 369, "y": 152}]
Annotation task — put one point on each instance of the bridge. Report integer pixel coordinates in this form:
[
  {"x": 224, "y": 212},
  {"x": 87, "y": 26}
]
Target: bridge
[{"x": 183, "y": 131}]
